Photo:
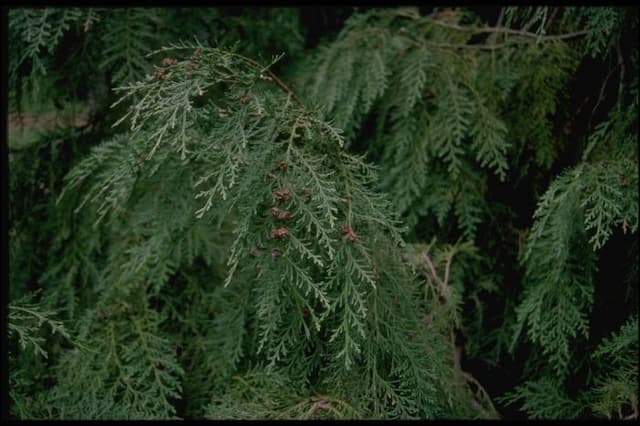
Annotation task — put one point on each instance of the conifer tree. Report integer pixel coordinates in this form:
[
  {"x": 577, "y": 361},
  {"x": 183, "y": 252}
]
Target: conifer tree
[{"x": 275, "y": 216}]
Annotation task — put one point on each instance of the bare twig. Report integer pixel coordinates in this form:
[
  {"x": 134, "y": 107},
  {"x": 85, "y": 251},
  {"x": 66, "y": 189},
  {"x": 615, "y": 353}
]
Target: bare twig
[
  {"x": 510, "y": 31},
  {"x": 551, "y": 18},
  {"x": 481, "y": 390},
  {"x": 432, "y": 269},
  {"x": 272, "y": 77},
  {"x": 447, "y": 268},
  {"x": 285, "y": 87},
  {"x": 490, "y": 30},
  {"x": 600, "y": 96},
  {"x": 582, "y": 104},
  {"x": 500, "y": 17},
  {"x": 484, "y": 395},
  {"x": 504, "y": 44},
  {"x": 470, "y": 46},
  {"x": 532, "y": 20},
  {"x": 492, "y": 37},
  {"x": 634, "y": 407}
]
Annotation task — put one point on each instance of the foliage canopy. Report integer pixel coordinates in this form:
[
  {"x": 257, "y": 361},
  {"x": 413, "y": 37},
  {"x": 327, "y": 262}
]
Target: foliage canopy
[{"x": 275, "y": 216}]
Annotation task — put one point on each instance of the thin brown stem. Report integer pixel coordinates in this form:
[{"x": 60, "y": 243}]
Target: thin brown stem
[
  {"x": 447, "y": 268},
  {"x": 272, "y": 77},
  {"x": 492, "y": 37},
  {"x": 504, "y": 44},
  {"x": 509, "y": 31},
  {"x": 634, "y": 407},
  {"x": 490, "y": 30},
  {"x": 432, "y": 269},
  {"x": 600, "y": 97},
  {"x": 500, "y": 17},
  {"x": 551, "y": 18},
  {"x": 481, "y": 390},
  {"x": 533, "y": 19}
]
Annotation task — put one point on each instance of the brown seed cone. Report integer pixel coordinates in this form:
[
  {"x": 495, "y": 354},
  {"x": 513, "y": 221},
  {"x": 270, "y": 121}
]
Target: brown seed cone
[
  {"x": 280, "y": 233},
  {"x": 348, "y": 233},
  {"x": 280, "y": 214},
  {"x": 167, "y": 62},
  {"x": 282, "y": 195},
  {"x": 159, "y": 75}
]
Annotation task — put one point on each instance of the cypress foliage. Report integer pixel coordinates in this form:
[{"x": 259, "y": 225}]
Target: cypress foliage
[{"x": 260, "y": 224}]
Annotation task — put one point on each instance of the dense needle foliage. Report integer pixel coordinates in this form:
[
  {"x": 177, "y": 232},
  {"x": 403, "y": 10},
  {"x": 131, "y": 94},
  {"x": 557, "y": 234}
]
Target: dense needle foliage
[{"x": 309, "y": 213}]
